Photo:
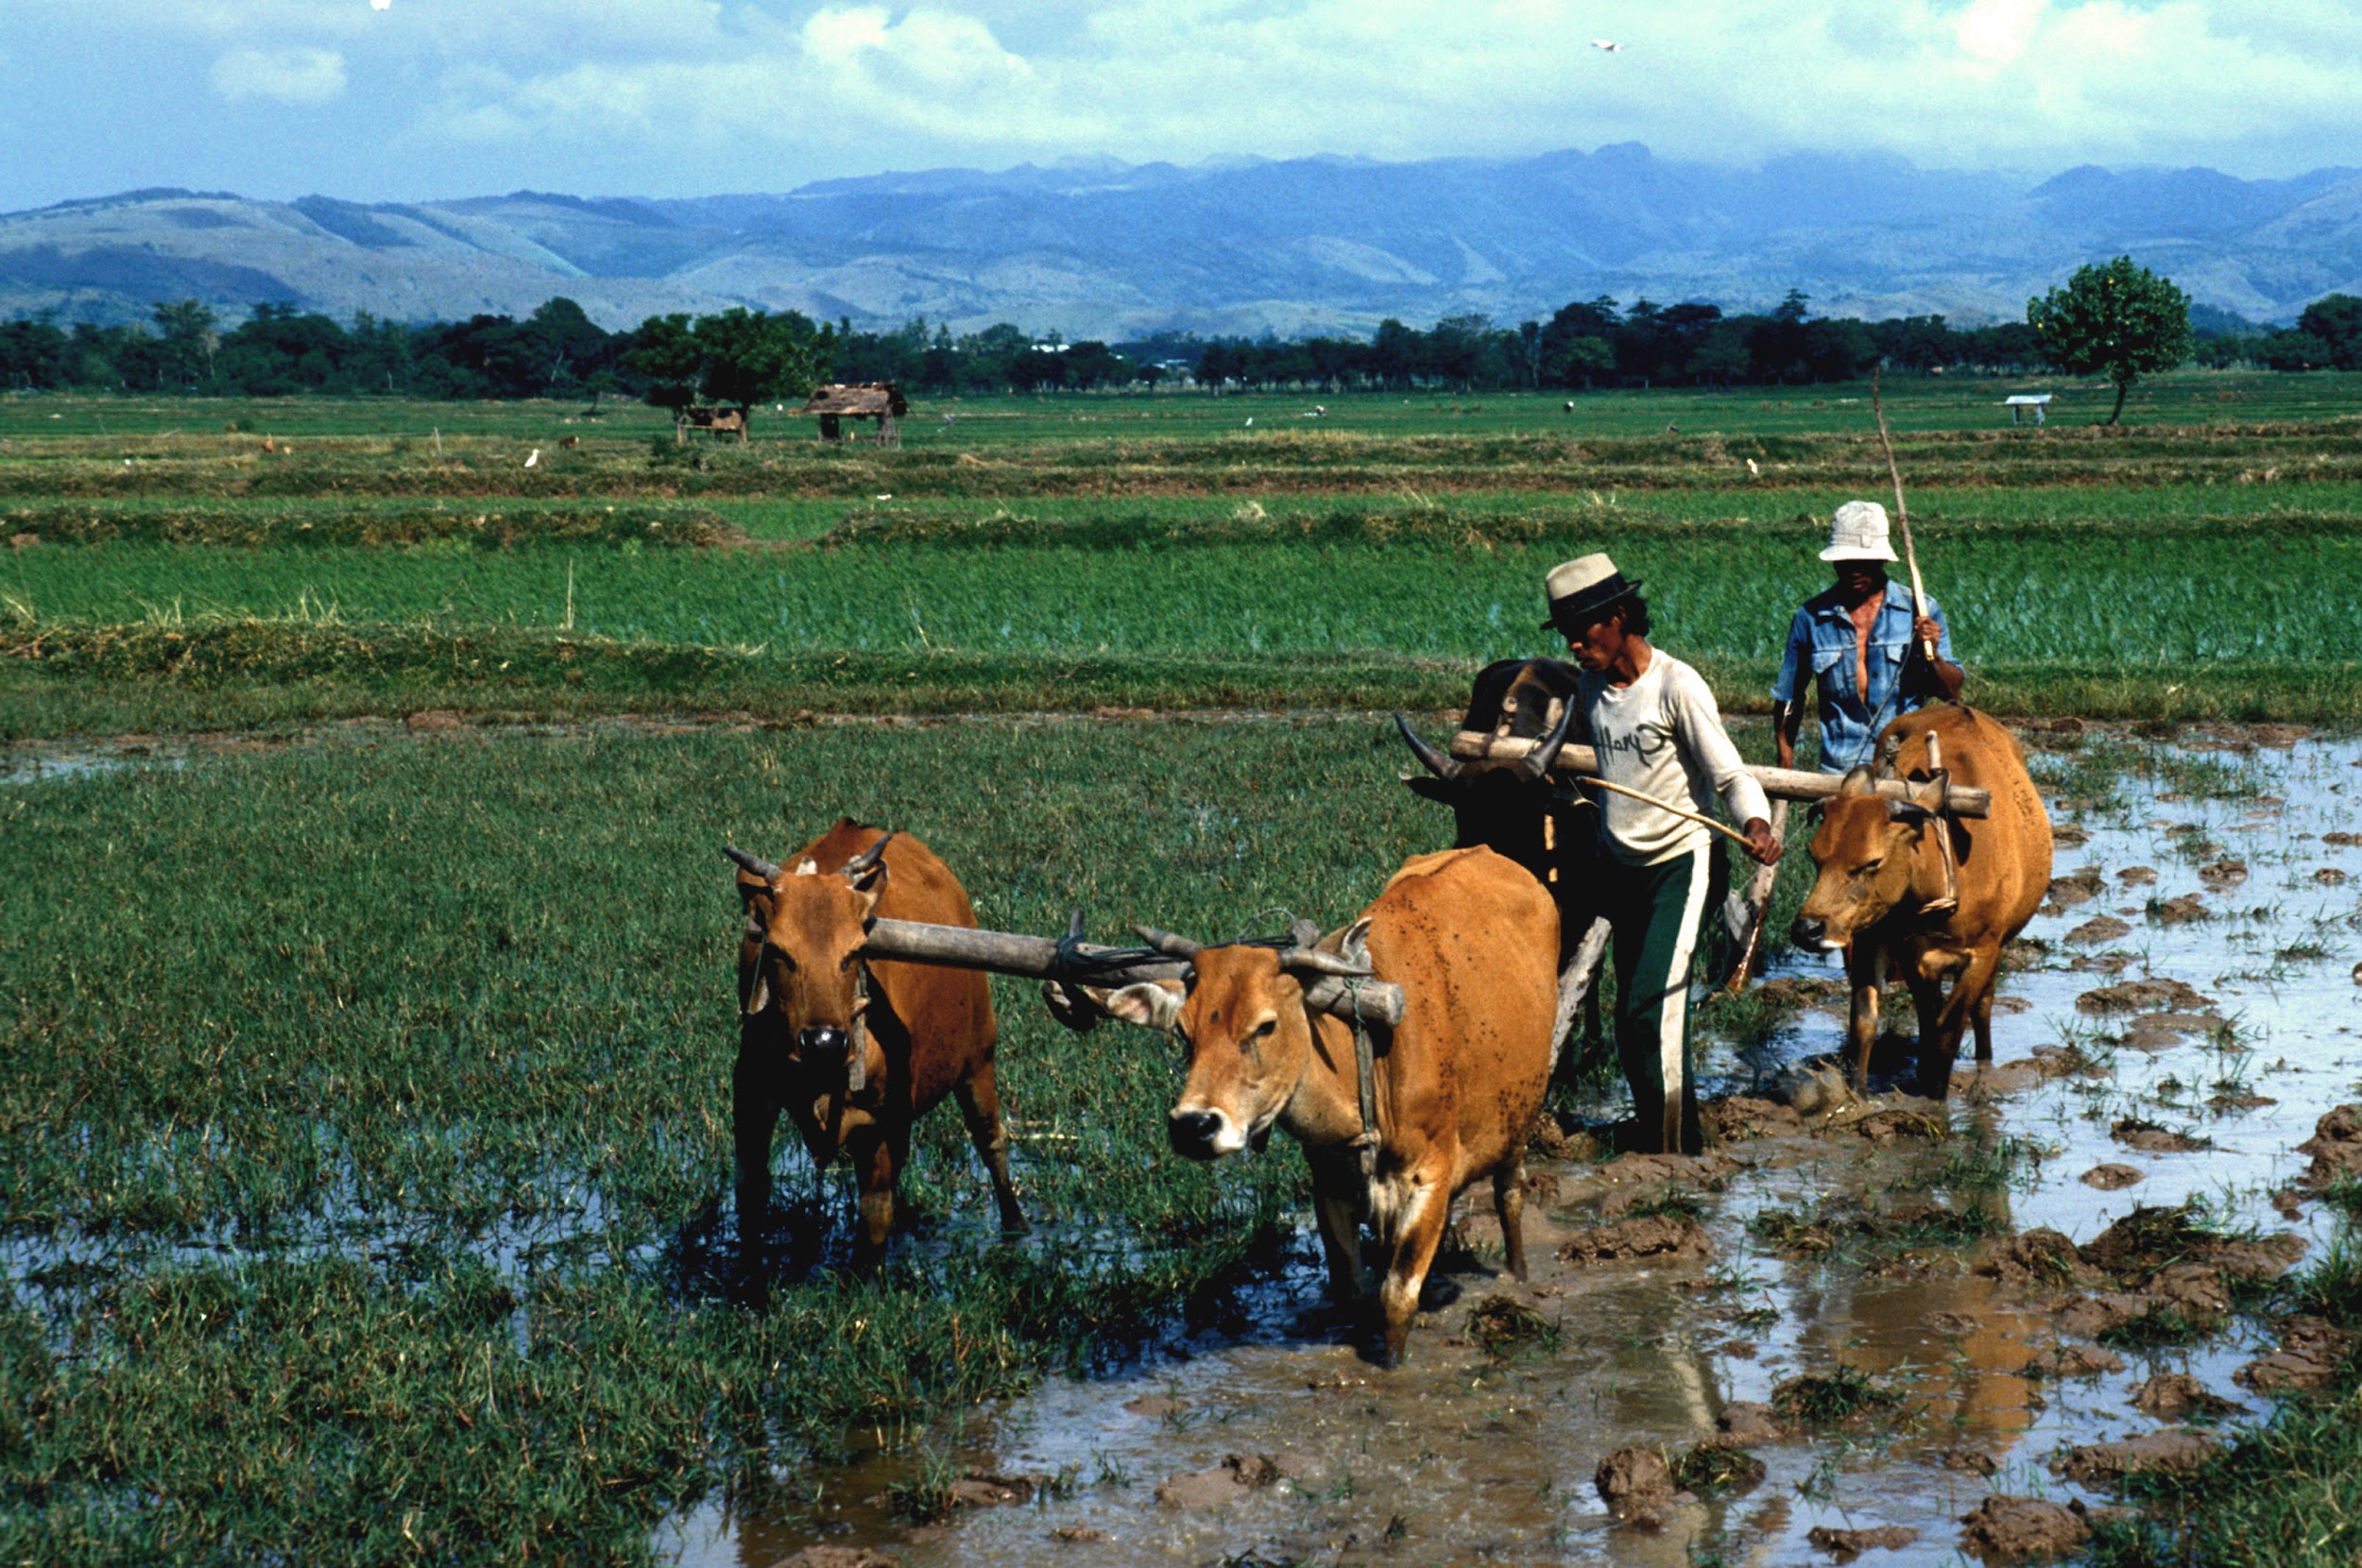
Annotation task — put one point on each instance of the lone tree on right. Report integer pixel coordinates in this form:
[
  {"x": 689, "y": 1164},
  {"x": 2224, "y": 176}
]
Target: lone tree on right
[{"x": 2118, "y": 320}]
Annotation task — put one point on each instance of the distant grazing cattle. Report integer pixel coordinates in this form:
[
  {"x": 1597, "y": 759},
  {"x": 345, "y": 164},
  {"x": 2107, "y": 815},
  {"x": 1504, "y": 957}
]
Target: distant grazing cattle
[
  {"x": 570, "y": 442},
  {"x": 1881, "y": 866},
  {"x": 854, "y": 1050},
  {"x": 1470, "y": 937}
]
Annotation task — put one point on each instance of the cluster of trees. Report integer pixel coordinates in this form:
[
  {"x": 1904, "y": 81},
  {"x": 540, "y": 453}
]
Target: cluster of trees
[
  {"x": 1597, "y": 343},
  {"x": 2114, "y": 319},
  {"x": 2327, "y": 337}
]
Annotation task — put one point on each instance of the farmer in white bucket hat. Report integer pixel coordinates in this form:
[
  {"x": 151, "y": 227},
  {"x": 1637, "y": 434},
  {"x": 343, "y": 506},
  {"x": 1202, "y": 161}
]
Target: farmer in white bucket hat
[
  {"x": 1859, "y": 641},
  {"x": 1657, "y": 731}
]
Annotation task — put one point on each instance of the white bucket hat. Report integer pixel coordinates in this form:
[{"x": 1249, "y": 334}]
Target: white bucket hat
[{"x": 1858, "y": 532}]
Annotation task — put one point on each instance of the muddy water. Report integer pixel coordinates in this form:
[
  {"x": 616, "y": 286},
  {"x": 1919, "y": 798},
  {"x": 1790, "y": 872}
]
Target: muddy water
[{"x": 1463, "y": 1455}]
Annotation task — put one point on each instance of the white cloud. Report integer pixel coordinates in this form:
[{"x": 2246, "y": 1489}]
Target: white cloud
[{"x": 283, "y": 75}]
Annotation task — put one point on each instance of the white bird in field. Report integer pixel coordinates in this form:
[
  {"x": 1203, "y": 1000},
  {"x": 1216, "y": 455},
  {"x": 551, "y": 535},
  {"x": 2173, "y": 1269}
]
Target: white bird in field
[
  {"x": 1754, "y": 472},
  {"x": 1607, "y": 45},
  {"x": 534, "y": 459},
  {"x": 1250, "y": 422}
]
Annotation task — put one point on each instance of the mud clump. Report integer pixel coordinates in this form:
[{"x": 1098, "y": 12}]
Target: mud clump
[
  {"x": 839, "y": 1557},
  {"x": 2062, "y": 1362},
  {"x": 2173, "y": 1452},
  {"x": 1740, "y": 1117},
  {"x": 1894, "y": 1124},
  {"x": 2113, "y": 1177},
  {"x": 2186, "y": 911},
  {"x": 2040, "y": 1257},
  {"x": 1637, "y": 1486},
  {"x": 2098, "y": 929},
  {"x": 1074, "y": 1534},
  {"x": 2145, "y": 996},
  {"x": 1662, "y": 1237},
  {"x": 2138, "y": 876},
  {"x": 1743, "y": 1421},
  {"x": 2336, "y": 1147},
  {"x": 977, "y": 1490},
  {"x": 1845, "y": 1545},
  {"x": 2171, "y": 1396},
  {"x": 1504, "y": 1325},
  {"x": 1237, "y": 1476},
  {"x": 2089, "y": 1317},
  {"x": 2310, "y": 1352},
  {"x": 2079, "y": 887},
  {"x": 2149, "y": 1138},
  {"x": 2163, "y": 1031},
  {"x": 2023, "y": 1529},
  {"x": 2223, "y": 874}
]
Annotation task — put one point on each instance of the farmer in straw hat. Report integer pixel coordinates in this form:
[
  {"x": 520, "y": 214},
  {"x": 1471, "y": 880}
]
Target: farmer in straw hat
[
  {"x": 1863, "y": 643},
  {"x": 1657, "y": 731},
  {"x": 1859, "y": 641}
]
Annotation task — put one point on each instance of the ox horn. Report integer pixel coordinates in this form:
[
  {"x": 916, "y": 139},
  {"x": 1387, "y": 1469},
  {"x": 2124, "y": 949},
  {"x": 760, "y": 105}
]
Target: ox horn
[
  {"x": 1323, "y": 964},
  {"x": 1433, "y": 761},
  {"x": 868, "y": 860},
  {"x": 1167, "y": 943},
  {"x": 753, "y": 863},
  {"x": 1536, "y": 763}
]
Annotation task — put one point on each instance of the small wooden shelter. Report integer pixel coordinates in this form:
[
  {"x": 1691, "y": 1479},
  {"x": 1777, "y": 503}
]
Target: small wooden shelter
[
  {"x": 880, "y": 401},
  {"x": 2017, "y": 403}
]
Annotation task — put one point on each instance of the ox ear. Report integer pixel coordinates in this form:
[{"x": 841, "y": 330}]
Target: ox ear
[
  {"x": 1354, "y": 947},
  {"x": 1150, "y": 1004},
  {"x": 1431, "y": 787},
  {"x": 1858, "y": 782},
  {"x": 1909, "y": 814}
]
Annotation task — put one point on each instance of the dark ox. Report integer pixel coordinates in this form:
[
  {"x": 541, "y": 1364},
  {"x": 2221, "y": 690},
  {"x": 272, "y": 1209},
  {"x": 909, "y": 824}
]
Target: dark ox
[
  {"x": 1513, "y": 806},
  {"x": 854, "y": 1050},
  {"x": 1881, "y": 866},
  {"x": 1470, "y": 937}
]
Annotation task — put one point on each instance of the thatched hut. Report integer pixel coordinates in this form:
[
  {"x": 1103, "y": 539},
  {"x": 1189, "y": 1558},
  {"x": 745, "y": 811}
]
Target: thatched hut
[{"x": 880, "y": 401}]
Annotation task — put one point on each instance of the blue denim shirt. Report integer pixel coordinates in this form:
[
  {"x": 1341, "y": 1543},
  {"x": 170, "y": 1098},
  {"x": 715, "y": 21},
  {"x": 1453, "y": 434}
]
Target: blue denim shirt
[{"x": 1821, "y": 647}]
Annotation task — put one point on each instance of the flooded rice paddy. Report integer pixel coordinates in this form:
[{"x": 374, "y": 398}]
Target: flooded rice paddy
[{"x": 1835, "y": 1291}]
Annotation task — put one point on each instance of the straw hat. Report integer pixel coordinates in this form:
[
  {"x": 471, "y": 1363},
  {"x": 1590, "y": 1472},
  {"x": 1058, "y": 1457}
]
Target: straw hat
[
  {"x": 1858, "y": 532},
  {"x": 1581, "y": 588}
]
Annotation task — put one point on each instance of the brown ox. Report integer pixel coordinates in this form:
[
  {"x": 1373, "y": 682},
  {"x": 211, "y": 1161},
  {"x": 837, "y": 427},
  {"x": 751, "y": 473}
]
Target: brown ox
[
  {"x": 1881, "y": 865},
  {"x": 1471, "y": 938},
  {"x": 852, "y": 1050}
]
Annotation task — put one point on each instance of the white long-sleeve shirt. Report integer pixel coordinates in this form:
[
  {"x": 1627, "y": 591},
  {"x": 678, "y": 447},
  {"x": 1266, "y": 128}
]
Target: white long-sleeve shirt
[{"x": 1663, "y": 735}]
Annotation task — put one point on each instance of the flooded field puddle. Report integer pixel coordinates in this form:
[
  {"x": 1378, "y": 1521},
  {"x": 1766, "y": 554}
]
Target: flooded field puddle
[{"x": 2184, "y": 1012}]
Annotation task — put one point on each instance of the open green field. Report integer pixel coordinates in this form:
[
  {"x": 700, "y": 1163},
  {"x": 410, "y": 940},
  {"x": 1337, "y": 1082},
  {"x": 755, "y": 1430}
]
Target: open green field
[
  {"x": 1045, "y": 555},
  {"x": 365, "y": 1096},
  {"x": 369, "y": 1122}
]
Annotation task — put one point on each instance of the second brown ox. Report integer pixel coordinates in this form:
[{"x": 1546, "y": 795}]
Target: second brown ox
[
  {"x": 1881, "y": 868},
  {"x": 854, "y": 1050},
  {"x": 1472, "y": 939}
]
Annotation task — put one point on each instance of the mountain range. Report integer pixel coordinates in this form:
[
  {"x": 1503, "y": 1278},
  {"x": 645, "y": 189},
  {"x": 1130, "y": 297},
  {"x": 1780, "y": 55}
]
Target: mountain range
[{"x": 1094, "y": 247}]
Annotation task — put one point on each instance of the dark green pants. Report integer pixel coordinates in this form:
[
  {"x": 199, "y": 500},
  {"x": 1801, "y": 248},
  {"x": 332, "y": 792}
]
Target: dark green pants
[{"x": 1655, "y": 913}]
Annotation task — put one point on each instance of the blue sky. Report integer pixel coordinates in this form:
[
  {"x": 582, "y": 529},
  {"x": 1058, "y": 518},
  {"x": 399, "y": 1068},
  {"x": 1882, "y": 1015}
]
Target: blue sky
[{"x": 427, "y": 98}]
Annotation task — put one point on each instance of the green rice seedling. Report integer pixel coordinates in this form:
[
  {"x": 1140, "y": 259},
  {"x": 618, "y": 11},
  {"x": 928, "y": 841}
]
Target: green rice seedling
[
  {"x": 1844, "y": 1394},
  {"x": 1709, "y": 1472}
]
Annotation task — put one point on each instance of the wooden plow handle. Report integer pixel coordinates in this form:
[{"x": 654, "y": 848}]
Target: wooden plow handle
[
  {"x": 1960, "y": 800},
  {"x": 1372, "y": 1001}
]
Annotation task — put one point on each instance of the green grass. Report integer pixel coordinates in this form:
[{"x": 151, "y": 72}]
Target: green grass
[{"x": 368, "y": 1116}]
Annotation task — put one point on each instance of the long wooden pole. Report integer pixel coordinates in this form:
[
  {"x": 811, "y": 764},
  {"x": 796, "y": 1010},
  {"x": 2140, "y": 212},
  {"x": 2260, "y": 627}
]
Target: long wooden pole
[
  {"x": 1038, "y": 958},
  {"x": 1722, "y": 828},
  {"x": 1960, "y": 800},
  {"x": 1902, "y": 513}
]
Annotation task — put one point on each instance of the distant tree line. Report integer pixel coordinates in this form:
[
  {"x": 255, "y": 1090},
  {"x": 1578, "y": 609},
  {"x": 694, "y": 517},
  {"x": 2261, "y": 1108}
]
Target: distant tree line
[{"x": 750, "y": 356}]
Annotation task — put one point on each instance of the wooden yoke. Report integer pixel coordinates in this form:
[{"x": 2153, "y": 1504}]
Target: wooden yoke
[
  {"x": 1960, "y": 800},
  {"x": 1372, "y": 1001}
]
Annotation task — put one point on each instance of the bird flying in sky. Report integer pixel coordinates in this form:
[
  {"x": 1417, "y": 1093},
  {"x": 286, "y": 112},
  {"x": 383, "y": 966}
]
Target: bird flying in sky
[
  {"x": 1606, "y": 44},
  {"x": 381, "y": 5}
]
